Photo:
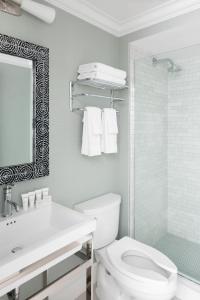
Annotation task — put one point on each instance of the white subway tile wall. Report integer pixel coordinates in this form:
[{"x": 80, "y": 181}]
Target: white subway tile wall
[
  {"x": 167, "y": 157},
  {"x": 167, "y": 147},
  {"x": 184, "y": 146}
]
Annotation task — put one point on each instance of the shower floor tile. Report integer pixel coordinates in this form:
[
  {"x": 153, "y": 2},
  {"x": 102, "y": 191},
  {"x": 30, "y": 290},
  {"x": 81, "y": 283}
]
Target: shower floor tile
[{"x": 185, "y": 254}]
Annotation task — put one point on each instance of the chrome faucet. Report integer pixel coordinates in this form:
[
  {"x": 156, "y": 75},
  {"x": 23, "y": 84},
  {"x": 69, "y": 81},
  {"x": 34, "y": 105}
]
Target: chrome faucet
[{"x": 8, "y": 204}]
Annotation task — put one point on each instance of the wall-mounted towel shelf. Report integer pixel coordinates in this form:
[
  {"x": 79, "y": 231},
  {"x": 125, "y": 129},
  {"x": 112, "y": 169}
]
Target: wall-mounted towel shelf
[{"x": 99, "y": 84}]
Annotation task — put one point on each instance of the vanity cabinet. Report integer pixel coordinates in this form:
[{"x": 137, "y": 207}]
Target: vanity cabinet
[{"x": 63, "y": 275}]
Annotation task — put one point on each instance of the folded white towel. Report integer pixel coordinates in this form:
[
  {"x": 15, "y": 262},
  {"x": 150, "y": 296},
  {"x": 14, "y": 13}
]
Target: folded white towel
[
  {"x": 92, "y": 132},
  {"x": 99, "y": 67},
  {"x": 110, "y": 131},
  {"x": 101, "y": 76}
]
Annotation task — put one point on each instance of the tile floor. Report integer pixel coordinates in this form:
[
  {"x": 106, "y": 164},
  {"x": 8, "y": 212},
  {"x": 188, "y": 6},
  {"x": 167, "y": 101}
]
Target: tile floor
[{"x": 185, "y": 254}]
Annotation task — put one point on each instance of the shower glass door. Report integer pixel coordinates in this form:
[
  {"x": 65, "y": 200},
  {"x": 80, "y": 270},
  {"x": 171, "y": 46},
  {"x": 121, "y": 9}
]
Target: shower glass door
[{"x": 167, "y": 156}]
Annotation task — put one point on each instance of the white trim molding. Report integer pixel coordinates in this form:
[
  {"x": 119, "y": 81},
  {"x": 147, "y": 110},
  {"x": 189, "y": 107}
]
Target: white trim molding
[
  {"x": 131, "y": 148},
  {"x": 161, "y": 13},
  {"x": 88, "y": 13},
  {"x": 95, "y": 16}
]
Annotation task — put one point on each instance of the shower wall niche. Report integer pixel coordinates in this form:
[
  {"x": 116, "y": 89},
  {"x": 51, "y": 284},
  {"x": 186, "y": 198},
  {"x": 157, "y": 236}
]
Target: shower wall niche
[{"x": 167, "y": 156}]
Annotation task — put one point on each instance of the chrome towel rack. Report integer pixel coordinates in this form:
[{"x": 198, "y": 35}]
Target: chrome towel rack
[{"x": 98, "y": 84}]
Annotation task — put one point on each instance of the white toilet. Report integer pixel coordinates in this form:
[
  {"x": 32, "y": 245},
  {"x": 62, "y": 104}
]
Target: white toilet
[{"x": 127, "y": 269}]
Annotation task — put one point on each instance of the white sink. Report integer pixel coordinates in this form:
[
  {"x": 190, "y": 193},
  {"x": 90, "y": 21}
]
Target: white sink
[{"x": 34, "y": 234}]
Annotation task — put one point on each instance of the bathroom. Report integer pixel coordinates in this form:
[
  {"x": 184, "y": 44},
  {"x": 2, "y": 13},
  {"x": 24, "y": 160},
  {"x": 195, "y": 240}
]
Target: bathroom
[{"x": 155, "y": 169}]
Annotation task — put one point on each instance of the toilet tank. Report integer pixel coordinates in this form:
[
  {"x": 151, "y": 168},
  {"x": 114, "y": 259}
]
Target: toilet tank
[{"x": 105, "y": 209}]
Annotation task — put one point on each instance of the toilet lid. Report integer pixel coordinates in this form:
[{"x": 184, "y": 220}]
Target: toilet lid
[{"x": 139, "y": 261}]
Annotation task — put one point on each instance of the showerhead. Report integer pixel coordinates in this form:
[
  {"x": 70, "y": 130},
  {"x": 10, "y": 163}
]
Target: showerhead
[{"x": 172, "y": 67}]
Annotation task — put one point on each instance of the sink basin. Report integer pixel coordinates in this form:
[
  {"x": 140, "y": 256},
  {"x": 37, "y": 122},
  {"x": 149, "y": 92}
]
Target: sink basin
[{"x": 30, "y": 236}]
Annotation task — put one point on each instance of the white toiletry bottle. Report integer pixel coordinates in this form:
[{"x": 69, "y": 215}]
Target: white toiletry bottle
[
  {"x": 45, "y": 193},
  {"x": 24, "y": 201},
  {"x": 31, "y": 199},
  {"x": 38, "y": 195}
]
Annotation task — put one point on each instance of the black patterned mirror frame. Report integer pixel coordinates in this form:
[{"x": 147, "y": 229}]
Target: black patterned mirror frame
[{"x": 40, "y": 57}]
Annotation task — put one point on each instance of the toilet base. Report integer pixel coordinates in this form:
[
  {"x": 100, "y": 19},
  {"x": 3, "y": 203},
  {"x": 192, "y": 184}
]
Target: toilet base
[{"x": 108, "y": 288}]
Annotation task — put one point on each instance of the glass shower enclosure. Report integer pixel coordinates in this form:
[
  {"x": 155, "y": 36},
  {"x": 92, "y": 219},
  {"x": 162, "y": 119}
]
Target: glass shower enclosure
[{"x": 167, "y": 156}]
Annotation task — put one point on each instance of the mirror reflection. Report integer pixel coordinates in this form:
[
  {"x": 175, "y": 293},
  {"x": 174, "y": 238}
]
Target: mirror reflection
[{"x": 16, "y": 110}]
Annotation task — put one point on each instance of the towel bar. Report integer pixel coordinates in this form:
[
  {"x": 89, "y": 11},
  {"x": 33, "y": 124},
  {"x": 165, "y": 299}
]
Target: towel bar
[
  {"x": 111, "y": 88},
  {"x": 83, "y": 109}
]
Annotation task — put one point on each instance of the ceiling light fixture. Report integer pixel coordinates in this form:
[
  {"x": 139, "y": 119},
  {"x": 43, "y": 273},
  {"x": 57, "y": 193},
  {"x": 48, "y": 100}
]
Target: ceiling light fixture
[{"x": 40, "y": 11}]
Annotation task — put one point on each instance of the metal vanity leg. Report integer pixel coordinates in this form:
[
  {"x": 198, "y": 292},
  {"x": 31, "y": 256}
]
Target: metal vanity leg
[
  {"x": 14, "y": 294},
  {"x": 45, "y": 281},
  {"x": 89, "y": 273},
  {"x": 89, "y": 295}
]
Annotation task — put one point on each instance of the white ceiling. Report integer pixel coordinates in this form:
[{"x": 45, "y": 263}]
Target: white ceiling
[
  {"x": 122, "y": 10},
  {"x": 120, "y": 17}
]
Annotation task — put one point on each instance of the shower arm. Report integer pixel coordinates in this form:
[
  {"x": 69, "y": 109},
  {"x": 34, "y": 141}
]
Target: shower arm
[{"x": 168, "y": 60}]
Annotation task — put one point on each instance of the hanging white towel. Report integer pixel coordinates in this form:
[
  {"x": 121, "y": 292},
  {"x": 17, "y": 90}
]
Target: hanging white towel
[
  {"x": 110, "y": 131},
  {"x": 92, "y": 132},
  {"x": 99, "y": 67},
  {"x": 102, "y": 76}
]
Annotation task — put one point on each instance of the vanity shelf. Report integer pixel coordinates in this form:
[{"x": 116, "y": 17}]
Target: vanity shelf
[{"x": 98, "y": 84}]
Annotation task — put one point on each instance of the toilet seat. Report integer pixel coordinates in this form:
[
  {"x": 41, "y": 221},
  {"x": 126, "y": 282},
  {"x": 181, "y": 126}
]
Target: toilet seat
[{"x": 156, "y": 267}]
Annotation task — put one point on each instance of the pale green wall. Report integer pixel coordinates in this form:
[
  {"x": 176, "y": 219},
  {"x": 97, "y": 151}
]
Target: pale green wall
[{"x": 73, "y": 178}]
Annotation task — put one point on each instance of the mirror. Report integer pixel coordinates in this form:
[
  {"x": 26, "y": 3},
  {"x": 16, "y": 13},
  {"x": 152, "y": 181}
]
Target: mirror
[
  {"x": 24, "y": 110},
  {"x": 16, "y": 110}
]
